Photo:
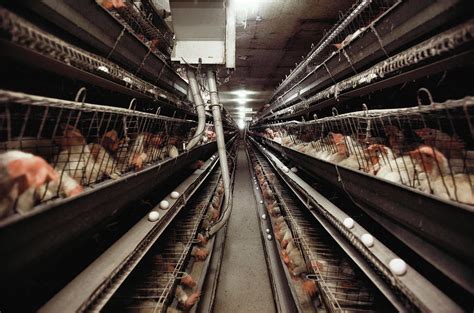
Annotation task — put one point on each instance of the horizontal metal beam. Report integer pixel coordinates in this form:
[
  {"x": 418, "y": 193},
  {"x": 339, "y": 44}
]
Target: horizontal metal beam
[
  {"x": 92, "y": 288},
  {"x": 31, "y": 242},
  {"x": 416, "y": 288},
  {"x": 443, "y": 229}
]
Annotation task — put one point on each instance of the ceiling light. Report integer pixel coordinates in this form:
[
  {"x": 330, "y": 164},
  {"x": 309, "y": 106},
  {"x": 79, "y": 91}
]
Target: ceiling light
[
  {"x": 241, "y": 124},
  {"x": 242, "y": 93},
  {"x": 244, "y": 109},
  {"x": 242, "y": 101}
]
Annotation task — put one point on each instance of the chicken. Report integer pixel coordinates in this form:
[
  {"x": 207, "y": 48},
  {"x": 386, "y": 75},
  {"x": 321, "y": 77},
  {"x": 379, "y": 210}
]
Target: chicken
[
  {"x": 66, "y": 187},
  {"x": 267, "y": 193},
  {"x": 169, "y": 151},
  {"x": 309, "y": 287},
  {"x": 187, "y": 302},
  {"x": 339, "y": 141},
  {"x": 396, "y": 138},
  {"x": 297, "y": 264},
  {"x": 200, "y": 254},
  {"x": 201, "y": 239},
  {"x": 187, "y": 280},
  {"x": 349, "y": 38},
  {"x": 451, "y": 147},
  {"x": 383, "y": 164},
  {"x": 378, "y": 155},
  {"x": 214, "y": 214},
  {"x": 21, "y": 174},
  {"x": 439, "y": 180},
  {"x": 104, "y": 162},
  {"x": 111, "y": 4},
  {"x": 133, "y": 155},
  {"x": 75, "y": 157}
]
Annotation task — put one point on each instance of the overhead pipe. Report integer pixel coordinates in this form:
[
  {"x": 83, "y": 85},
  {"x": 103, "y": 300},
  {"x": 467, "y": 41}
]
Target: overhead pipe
[
  {"x": 216, "y": 114},
  {"x": 199, "y": 105}
]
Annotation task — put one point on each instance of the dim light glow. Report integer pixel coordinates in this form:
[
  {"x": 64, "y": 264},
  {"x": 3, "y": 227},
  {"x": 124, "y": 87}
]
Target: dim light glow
[
  {"x": 244, "y": 109},
  {"x": 242, "y": 93},
  {"x": 241, "y": 124}
]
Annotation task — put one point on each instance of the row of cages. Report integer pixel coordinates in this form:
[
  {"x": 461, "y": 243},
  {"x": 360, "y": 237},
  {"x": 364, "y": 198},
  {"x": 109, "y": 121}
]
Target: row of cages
[
  {"x": 442, "y": 45},
  {"x": 137, "y": 17},
  {"x": 360, "y": 18},
  {"x": 52, "y": 148},
  {"x": 20, "y": 32},
  {"x": 317, "y": 267},
  {"x": 427, "y": 147}
]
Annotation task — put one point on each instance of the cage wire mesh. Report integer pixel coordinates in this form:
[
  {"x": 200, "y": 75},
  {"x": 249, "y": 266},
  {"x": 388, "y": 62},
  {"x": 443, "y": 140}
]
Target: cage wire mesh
[
  {"x": 441, "y": 45},
  {"x": 85, "y": 143},
  {"x": 150, "y": 287},
  {"x": 23, "y": 33},
  {"x": 341, "y": 288},
  {"x": 358, "y": 19},
  {"x": 428, "y": 147},
  {"x": 134, "y": 16}
]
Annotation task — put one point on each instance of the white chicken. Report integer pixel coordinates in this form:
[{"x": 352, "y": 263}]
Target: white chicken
[
  {"x": 75, "y": 157},
  {"x": 383, "y": 164},
  {"x": 21, "y": 174},
  {"x": 439, "y": 179}
]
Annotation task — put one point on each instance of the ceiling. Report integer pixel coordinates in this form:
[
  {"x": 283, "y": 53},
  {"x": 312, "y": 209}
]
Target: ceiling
[{"x": 272, "y": 35}]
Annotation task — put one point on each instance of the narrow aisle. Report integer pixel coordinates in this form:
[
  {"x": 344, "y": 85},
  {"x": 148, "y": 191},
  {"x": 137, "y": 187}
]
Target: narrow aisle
[{"x": 244, "y": 284}]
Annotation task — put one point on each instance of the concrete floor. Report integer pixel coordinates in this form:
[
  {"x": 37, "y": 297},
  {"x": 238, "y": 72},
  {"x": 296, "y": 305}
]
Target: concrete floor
[{"x": 244, "y": 284}]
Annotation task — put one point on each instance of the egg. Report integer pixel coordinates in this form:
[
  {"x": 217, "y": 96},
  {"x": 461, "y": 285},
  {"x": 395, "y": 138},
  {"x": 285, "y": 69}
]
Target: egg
[
  {"x": 398, "y": 266},
  {"x": 267, "y": 230},
  {"x": 174, "y": 195},
  {"x": 367, "y": 240},
  {"x": 348, "y": 222},
  {"x": 164, "y": 205},
  {"x": 294, "y": 169},
  {"x": 264, "y": 216},
  {"x": 269, "y": 237},
  {"x": 153, "y": 216}
]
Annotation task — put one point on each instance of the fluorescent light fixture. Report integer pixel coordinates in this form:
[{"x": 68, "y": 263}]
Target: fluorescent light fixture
[
  {"x": 242, "y": 93},
  {"x": 244, "y": 109}
]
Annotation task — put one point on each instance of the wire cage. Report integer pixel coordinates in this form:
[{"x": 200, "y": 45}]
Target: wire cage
[
  {"x": 150, "y": 288},
  {"x": 83, "y": 143},
  {"x": 137, "y": 19},
  {"x": 358, "y": 19},
  {"x": 342, "y": 289},
  {"x": 428, "y": 147},
  {"x": 23, "y": 33}
]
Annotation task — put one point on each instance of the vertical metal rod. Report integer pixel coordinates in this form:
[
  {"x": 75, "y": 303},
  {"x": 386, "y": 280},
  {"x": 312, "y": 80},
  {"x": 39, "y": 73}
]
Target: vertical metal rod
[
  {"x": 216, "y": 113},
  {"x": 199, "y": 105}
]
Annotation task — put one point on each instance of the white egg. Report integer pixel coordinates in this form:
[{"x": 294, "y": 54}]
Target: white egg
[
  {"x": 398, "y": 266},
  {"x": 164, "y": 204},
  {"x": 285, "y": 169},
  {"x": 267, "y": 230},
  {"x": 269, "y": 237},
  {"x": 261, "y": 201},
  {"x": 153, "y": 216},
  {"x": 264, "y": 216},
  {"x": 294, "y": 169},
  {"x": 367, "y": 240},
  {"x": 348, "y": 222},
  {"x": 174, "y": 195}
]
